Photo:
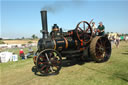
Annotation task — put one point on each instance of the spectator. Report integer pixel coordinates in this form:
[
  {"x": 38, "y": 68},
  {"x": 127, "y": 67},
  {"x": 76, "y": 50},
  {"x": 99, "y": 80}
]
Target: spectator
[
  {"x": 30, "y": 52},
  {"x": 126, "y": 38},
  {"x": 21, "y": 53},
  {"x": 14, "y": 57},
  {"x": 111, "y": 38},
  {"x": 93, "y": 27},
  {"x": 117, "y": 41},
  {"x": 101, "y": 29}
]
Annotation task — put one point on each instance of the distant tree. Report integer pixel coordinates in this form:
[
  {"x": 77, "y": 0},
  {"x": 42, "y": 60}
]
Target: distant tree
[
  {"x": 1, "y": 38},
  {"x": 2, "y": 42},
  {"x": 34, "y": 36},
  {"x": 22, "y": 38},
  {"x": 29, "y": 42},
  {"x": 23, "y": 44},
  {"x": 17, "y": 39}
]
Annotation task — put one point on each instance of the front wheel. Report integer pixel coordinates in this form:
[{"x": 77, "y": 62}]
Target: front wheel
[{"x": 49, "y": 62}]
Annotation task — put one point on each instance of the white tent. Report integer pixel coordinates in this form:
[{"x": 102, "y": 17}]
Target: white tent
[{"x": 7, "y": 56}]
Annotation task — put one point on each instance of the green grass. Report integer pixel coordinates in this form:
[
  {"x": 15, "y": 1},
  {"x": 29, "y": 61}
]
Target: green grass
[{"x": 113, "y": 72}]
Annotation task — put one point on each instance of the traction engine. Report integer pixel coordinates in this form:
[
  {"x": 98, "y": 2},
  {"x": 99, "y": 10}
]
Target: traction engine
[{"x": 79, "y": 44}]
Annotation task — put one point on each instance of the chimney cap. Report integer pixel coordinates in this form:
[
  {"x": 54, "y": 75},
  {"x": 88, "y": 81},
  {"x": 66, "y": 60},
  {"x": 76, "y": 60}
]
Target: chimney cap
[{"x": 43, "y": 11}]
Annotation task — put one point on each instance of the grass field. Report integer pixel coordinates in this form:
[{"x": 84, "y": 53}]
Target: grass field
[{"x": 113, "y": 72}]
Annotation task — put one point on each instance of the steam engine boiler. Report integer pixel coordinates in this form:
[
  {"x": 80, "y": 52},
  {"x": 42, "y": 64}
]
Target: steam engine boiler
[{"x": 79, "y": 43}]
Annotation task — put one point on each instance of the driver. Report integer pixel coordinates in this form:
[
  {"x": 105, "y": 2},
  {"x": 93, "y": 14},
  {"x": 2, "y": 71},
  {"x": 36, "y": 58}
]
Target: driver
[{"x": 101, "y": 29}]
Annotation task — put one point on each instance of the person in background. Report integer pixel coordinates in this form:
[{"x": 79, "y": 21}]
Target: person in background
[
  {"x": 14, "y": 57},
  {"x": 111, "y": 40},
  {"x": 101, "y": 29},
  {"x": 126, "y": 38},
  {"x": 94, "y": 27},
  {"x": 117, "y": 41},
  {"x": 21, "y": 53},
  {"x": 30, "y": 52}
]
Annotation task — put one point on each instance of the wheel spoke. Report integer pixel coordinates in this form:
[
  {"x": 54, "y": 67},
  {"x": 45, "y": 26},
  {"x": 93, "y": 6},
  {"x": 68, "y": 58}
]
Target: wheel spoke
[
  {"x": 47, "y": 57},
  {"x": 87, "y": 30},
  {"x": 100, "y": 41},
  {"x": 105, "y": 43},
  {"x": 98, "y": 44},
  {"x": 97, "y": 48},
  {"x": 98, "y": 53},
  {"x": 56, "y": 62},
  {"x": 51, "y": 68},
  {"x": 45, "y": 62},
  {"x": 81, "y": 34},
  {"x": 43, "y": 67},
  {"x": 39, "y": 62},
  {"x": 47, "y": 68},
  {"x": 84, "y": 26},
  {"x": 42, "y": 57}
]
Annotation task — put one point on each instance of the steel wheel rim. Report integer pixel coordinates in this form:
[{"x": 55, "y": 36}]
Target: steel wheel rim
[
  {"x": 49, "y": 62},
  {"x": 103, "y": 49}
]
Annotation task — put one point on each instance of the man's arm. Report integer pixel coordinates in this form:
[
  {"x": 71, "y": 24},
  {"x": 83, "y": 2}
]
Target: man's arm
[
  {"x": 98, "y": 30},
  {"x": 103, "y": 28}
]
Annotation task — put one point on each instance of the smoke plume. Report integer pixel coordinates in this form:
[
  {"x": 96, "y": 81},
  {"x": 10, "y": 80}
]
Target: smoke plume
[{"x": 60, "y": 5}]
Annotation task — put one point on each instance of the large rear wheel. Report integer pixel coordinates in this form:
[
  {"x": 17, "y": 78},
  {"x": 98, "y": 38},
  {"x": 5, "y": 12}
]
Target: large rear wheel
[{"x": 100, "y": 49}]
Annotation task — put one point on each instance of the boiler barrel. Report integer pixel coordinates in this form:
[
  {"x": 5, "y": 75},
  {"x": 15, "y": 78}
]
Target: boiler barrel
[
  {"x": 57, "y": 44},
  {"x": 63, "y": 44}
]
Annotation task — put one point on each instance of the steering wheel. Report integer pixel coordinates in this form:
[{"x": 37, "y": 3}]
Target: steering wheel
[{"x": 84, "y": 31}]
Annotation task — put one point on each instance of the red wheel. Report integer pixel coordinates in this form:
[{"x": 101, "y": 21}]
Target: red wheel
[
  {"x": 84, "y": 31},
  {"x": 49, "y": 62}
]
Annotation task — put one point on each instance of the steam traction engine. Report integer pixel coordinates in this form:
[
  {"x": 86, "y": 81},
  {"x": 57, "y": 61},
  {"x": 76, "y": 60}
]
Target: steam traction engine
[{"x": 78, "y": 43}]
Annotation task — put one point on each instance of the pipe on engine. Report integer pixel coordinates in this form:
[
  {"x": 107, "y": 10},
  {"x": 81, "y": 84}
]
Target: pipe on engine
[{"x": 44, "y": 24}]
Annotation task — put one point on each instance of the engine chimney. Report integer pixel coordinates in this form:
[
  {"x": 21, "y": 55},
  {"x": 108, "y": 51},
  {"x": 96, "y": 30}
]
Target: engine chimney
[{"x": 44, "y": 24}]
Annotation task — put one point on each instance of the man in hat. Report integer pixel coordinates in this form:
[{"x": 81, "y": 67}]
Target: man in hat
[
  {"x": 94, "y": 27},
  {"x": 21, "y": 53},
  {"x": 101, "y": 29}
]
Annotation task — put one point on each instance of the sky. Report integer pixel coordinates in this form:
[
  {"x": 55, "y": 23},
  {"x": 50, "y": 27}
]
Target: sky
[{"x": 21, "y": 18}]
